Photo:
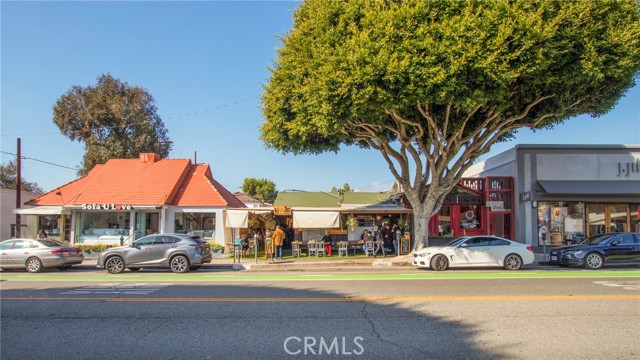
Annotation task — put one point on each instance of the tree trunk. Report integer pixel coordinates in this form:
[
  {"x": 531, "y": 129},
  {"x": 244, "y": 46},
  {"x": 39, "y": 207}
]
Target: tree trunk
[
  {"x": 423, "y": 210},
  {"x": 420, "y": 228}
]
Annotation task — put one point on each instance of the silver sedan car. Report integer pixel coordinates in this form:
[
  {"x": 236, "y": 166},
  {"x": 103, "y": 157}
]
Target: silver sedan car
[
  {"x": 35, "y": 255},
  {"x": 179, "y": 252}
]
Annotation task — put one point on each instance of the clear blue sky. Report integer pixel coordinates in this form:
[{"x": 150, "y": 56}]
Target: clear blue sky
[{"x": 205, "y": 64}]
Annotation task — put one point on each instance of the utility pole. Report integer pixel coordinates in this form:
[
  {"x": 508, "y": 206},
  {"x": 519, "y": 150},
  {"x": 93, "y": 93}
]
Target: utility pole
[{"x": 18, "y": 188}]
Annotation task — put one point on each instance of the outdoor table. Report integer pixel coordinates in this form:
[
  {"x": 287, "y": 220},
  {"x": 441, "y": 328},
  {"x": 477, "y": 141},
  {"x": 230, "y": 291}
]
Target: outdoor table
[{"x": 355, "y": 245}]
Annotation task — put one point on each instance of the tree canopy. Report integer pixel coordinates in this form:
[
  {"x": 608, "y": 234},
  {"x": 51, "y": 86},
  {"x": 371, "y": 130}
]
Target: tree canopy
[
  {"x": 432, "y": 85},
  {"x": 344, "y": 188},
  {"x": 113, "y": 120},
  {"x": 261, "y": 189},
  {"x": 8, "y": 176}
]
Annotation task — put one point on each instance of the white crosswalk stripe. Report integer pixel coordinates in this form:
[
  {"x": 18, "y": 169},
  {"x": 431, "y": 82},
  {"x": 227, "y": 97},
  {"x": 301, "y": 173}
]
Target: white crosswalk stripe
[
  {"x": 624, "y": 284},
  {"x": 129, "y": 289}
]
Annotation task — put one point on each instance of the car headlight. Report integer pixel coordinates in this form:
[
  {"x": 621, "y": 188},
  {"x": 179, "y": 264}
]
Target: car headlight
[
  {"x": 424, "y": 254},
  {"x": 573, "y": 252}
]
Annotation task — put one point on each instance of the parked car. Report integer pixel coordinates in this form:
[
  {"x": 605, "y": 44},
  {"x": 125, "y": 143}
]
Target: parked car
[
  {"x": 599, "y": 250},
  {"x": 475, "y": 251},
  {"x": 35, "y": 255},
  {"x": 179, "y": 252}
]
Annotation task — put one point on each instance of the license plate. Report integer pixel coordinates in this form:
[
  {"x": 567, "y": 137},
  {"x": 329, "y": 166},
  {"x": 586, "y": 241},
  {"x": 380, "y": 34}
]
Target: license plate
[{"x": 554, "y": 258}]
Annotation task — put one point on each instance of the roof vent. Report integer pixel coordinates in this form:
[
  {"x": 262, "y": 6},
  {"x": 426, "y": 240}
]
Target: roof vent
[{"x": 149, "y": 157}]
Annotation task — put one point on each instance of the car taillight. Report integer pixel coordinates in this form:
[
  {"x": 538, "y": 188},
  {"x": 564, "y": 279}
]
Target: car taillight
[
  {"x": 66, "y": 251},
  {"x": 529, "y": 248},
  {"x": 199, "y": 246}
]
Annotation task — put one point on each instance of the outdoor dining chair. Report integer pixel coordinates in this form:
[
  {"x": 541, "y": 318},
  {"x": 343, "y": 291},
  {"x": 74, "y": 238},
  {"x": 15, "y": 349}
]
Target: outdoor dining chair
[
  {"x": 251, "y": 248},
  {"x": 295, "y": 249},
  {"x": 312, "y": 248},
  {"x": 343, "y": 248},
  {"x": 369, "y": 248},
  {"x": 320, "y": 249}
]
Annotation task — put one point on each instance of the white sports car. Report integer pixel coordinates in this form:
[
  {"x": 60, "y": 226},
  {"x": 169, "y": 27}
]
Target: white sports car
[{"x": 469, "y": 251}]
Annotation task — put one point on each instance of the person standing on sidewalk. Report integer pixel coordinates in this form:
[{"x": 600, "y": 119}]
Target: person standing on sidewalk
[{"x": 278, "y": 241}]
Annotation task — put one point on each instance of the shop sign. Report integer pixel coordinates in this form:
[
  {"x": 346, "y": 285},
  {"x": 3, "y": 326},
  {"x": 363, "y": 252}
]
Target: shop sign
[
  {"x": 625, "y": 169},
  {"x": 282, "y": 210},
  {"x": 525, "y": 196},
  {"x": 112, "y": 207},
  {"x": 495, "y": 205}
]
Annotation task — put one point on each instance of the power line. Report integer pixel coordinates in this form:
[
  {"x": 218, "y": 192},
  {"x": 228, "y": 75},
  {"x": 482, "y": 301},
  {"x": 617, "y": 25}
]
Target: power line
[
  {"x": 38, "y": 160},
  {"x": 147, "y": 122}
]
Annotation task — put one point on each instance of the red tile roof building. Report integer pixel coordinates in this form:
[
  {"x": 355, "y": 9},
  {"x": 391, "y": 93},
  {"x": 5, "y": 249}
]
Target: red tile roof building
[{"x": 167, "y": 191}]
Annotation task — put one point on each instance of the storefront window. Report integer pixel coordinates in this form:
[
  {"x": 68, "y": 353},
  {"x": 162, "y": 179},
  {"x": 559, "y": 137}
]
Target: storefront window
[
  {"x": 560, "y": 223},
  {"x": 635, "y": 217},
  {"x": 50, "y": 224},
  {"x": 470, "y": 217},
  {"x": 607, "y": 218},
  {"x": 618, "y": 215},
  {"x": 444, "y": 222},
  {"x": 103, "y": 227},
  {"x": 202, "y": 224}
]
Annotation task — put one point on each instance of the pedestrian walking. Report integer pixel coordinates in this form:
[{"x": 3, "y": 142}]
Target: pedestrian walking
[{"x": 278, "y": 241}]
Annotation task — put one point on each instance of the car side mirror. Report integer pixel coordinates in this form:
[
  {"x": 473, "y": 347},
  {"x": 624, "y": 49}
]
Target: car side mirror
[
  {"x": 615, "y": 243},
  {"x": 464, "y": 245}
]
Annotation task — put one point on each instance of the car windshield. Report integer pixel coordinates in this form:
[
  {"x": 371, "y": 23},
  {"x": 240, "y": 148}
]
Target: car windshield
[
  {"x": 51, "y": 243},
  {"x": 457, "y": 241},
  {"x": 598, "y": 239}
]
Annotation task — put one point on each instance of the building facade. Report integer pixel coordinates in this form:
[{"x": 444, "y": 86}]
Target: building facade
[
  {"x": 564, "y": 193},
  {"x": 125, "y": 199}
]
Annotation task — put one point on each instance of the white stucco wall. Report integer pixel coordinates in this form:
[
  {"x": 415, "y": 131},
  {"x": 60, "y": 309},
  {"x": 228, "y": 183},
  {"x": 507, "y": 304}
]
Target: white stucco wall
[
  {"x": 7, "y": 217},
  {"x": 222, "y": 234}
]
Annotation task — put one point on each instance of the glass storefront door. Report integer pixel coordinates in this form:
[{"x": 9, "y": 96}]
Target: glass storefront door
[
  {"x": 146, "y": 223},
  {"x": 606, "y": 218}
]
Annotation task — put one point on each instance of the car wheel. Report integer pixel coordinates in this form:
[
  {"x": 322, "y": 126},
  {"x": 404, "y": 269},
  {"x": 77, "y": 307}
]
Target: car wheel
[
  {"x": 179, "y": 264},
  {"x": 439, "y": 263},
  {"x": 593, "y": 261},
  {"x": 194, "y": 268},
  {"x": 134, "y": 268},
  {"x": 114, "y": 265},
  {"x": 512, "y": 262},
  {"x": 34, "y": 265},
  {"x": 63, "y": 267}
]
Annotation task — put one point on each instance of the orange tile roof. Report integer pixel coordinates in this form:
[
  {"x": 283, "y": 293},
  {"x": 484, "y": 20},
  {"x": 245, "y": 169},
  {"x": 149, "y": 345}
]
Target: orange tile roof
[
  {"x": 200, "y": 189},
  {"x": 151, "y": 183}
]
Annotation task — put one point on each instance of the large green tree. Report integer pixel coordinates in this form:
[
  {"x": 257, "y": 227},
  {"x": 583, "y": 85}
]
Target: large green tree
[
  {"x": 113, "y": 120},
  {"x": 432, "y": 85},
  {"x": 261, "y": 189},
  {"x": 9, "y": 175}
]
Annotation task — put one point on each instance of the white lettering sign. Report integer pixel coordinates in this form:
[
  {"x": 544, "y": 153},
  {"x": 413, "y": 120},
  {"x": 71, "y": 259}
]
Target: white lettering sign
[
  {"x": 112, "y": 207},
  {"x": 495, "y": 205}
]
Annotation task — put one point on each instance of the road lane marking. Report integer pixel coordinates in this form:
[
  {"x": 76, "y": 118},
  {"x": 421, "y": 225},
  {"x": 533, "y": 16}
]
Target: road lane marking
[
  {"x": 131, "y": 289},
  {"x": 625, "y": 285},
  {"x": 348, "y": 299}
]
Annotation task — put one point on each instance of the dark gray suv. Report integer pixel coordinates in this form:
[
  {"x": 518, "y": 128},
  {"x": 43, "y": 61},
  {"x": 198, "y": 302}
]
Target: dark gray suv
[{"x": 179, "y": 252}]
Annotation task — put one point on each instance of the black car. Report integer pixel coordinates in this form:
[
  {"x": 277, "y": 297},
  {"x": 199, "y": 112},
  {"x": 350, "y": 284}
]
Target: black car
[{"x": 598, "y": 250}]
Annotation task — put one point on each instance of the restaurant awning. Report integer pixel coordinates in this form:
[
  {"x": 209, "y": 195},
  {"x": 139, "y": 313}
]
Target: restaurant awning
[
  {"x": 316, "y": 219},
  {"x": 590, "y": 187},
  {"x": 42, "y": 210},
  {"x": 239, "y": 218}
]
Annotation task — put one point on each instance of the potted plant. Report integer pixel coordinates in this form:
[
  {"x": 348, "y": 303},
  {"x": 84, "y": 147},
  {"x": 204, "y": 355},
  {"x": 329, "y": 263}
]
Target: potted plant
[{"x": 351, "y": 223}]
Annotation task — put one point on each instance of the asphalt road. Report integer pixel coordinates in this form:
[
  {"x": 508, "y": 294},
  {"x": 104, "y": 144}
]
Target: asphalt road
[{"x": 312, "y": 315}]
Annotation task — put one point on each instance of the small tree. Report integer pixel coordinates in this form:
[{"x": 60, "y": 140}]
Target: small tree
[
  {"x": 8, "y": 176},
  {"x": 261, "y": 189},
  {"x": 113, "y": 120},
  {"x": 432, "y": 85}
]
